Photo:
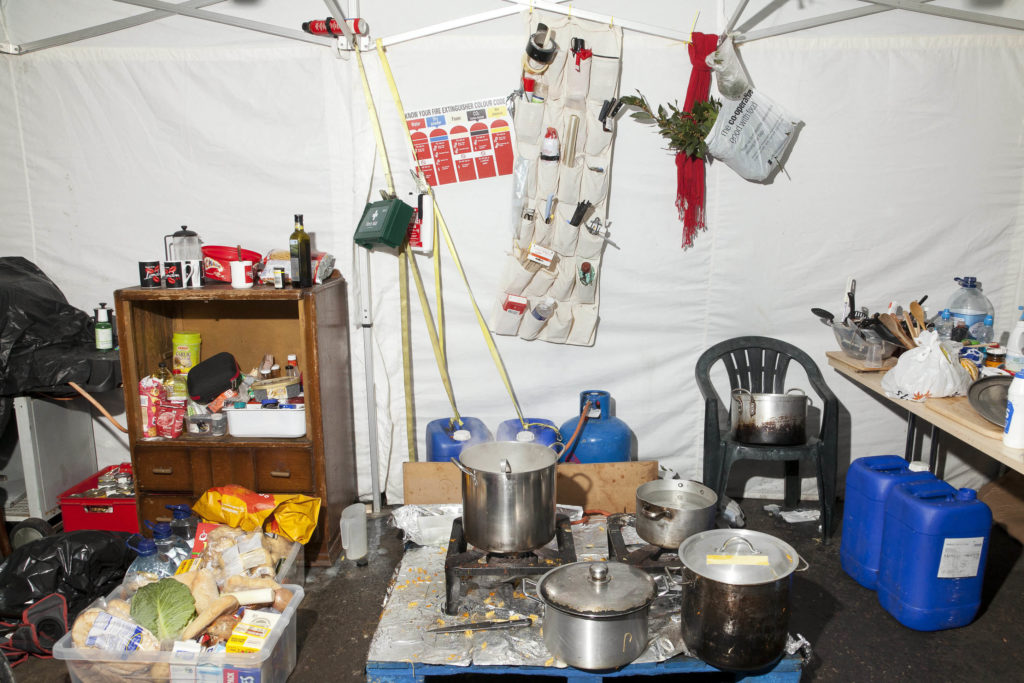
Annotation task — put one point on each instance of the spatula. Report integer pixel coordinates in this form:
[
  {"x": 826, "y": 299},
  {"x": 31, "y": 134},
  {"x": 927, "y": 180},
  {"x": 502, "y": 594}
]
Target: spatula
[
  {"x": 894, "y": 327},
  {"x": 918, "y": 313}
]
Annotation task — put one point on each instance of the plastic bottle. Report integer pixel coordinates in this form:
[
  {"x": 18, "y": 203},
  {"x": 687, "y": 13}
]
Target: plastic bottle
[
  {"x": 985, "y": 333},
  {"x": 184, "y": 524},
  {"x": 544, "y": 309},
  {"x": 293, "y": 366},
  {"x": 969, "y": 304},
  {"x": 149, "y": 566},
  {"x": 1013, "y": 432},
  {"x": 166, "y": 377},
  {"x": 1015, "y": 346},
  {"x": 104, "y": 331},
  {"x": 945, "y": 325},
  {"x": 173, "y": 547}
]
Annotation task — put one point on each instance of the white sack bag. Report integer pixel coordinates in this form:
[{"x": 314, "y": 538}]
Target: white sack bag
[
  {"x": 751, "y": 135},
  {"x": 926, "y": 372}
]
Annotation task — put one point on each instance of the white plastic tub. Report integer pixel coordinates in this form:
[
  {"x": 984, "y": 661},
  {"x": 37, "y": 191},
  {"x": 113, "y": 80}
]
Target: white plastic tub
[
  {"x": 254, "y": 421},
  {"x": 271, "y": 664}
]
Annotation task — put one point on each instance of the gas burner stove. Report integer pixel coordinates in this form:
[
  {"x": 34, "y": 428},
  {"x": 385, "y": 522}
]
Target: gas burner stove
[
  {"x": 651, "y": 558},
  {"x": 462, "y": 563}
]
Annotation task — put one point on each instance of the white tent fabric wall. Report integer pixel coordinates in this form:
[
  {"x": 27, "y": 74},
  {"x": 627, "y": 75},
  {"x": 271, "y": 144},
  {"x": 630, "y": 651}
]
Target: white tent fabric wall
[{"x": 907, "y": 173}]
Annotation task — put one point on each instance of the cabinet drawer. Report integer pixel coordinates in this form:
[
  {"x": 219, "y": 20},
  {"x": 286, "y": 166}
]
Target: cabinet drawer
[
  {"x": 283, "y": 470},
  {"x": 154, "y": 508},
  {"x": 163, "y": 469}
]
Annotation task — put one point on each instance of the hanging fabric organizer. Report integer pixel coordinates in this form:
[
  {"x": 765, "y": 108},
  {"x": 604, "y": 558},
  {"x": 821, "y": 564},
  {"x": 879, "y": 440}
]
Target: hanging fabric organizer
[{"x": 564, "y": 134}]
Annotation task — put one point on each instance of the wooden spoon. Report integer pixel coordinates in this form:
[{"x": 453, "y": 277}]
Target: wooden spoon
[
  {"x": 891, "y": 324},
  {"x": 911, "y": 325},
  {"x": 918, "y": 313}
]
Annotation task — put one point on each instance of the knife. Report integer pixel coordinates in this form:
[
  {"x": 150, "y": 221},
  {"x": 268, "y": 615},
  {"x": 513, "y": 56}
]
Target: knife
[
  {"x": 482, "y": 626},
  {"x": 849, "y": 307}
]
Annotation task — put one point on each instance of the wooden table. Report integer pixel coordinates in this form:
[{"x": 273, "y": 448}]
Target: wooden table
[{"x": 954, "y": 416}]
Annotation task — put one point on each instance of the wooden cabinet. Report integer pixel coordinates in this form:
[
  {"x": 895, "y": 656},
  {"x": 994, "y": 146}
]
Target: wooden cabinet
[{"x": 248, "y": 323}]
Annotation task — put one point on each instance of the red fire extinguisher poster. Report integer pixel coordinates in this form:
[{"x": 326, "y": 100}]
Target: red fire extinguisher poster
[{"x": 463, "y": 142}]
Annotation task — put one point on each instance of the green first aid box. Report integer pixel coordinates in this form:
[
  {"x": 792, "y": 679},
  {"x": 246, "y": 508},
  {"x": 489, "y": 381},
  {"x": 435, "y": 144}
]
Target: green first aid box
[{"x": 384, "y": 223}]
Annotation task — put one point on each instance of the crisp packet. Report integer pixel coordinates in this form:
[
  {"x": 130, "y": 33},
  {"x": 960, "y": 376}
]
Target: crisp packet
[
  {"x": 151, "y": 394},
  {"x": 294, "y": 515}
]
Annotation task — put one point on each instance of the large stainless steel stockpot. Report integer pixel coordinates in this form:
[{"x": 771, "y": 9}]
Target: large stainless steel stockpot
[
  {"x": 595, "y": 613},
  {"x": 508, "y": 495},
  {"x": 735, "y": 607},
  {"x": 668, "y": 511},
  {"x": 769, "y": 419}
]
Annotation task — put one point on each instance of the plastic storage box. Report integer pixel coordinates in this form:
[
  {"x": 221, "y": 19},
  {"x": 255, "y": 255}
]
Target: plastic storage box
[
  {"x": 271, "y": 664},
  {"x": 105, "y": 514},
  {"x": 255, "y": 421}
]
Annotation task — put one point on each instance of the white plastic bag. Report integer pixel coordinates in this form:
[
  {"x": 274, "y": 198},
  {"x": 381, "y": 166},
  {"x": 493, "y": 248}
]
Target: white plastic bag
[
  {"x": 926, "y": 372},
  {"x": 751, "y": 135},
  {"x": 729, "y": 73}
]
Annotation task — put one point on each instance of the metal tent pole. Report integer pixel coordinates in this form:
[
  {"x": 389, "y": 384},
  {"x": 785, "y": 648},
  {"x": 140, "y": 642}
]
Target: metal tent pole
[{"x": 366, "y": 322}]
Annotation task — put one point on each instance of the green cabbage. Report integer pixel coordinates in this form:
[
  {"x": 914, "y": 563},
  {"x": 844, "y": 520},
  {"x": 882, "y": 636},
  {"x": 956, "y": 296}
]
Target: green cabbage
[{"x": 164, "y": 608}]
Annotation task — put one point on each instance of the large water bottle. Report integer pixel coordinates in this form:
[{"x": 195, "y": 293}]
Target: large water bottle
[
  {"x": 184, "y": 524},
  {"x": 970, "y": 305},
  {"x": 150, "y": 566},
  {"x": 174, "y": 547}
]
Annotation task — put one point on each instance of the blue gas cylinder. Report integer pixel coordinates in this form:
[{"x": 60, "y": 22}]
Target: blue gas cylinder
[
  {"x": 604, "y": 438},
  {"x": 934, "y": 548},
  {"x": 869, "y": 482},
  {"x": 446, "y": 437},
  {"x": 537, "y": 430}
]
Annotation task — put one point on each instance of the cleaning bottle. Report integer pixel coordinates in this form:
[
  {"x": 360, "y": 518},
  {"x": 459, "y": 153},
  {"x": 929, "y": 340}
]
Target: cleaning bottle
[
  {"x": 150, "y": 566},
  {"x": 969, "y": 304},
  {"x": 168, "y": 544},
  {"x": 1013, "y": 432},
  {"x": 184, "y": 523},
  {"x": 1015, "y": 346},
  {"x": 104, "y": 331}
]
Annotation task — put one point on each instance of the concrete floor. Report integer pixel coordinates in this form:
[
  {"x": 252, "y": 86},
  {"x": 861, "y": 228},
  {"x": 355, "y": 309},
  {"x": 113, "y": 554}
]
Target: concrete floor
[{"x": 852, "y": 637}]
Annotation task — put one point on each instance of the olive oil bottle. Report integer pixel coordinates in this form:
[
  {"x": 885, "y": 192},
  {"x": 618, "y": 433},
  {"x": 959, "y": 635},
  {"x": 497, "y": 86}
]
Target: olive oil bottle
[{"x": 301, "y": 258}]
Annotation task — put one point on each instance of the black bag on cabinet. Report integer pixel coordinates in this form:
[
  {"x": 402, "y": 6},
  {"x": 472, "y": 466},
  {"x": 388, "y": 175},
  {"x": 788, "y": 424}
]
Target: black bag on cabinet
[{"x": 212, "y": 377}]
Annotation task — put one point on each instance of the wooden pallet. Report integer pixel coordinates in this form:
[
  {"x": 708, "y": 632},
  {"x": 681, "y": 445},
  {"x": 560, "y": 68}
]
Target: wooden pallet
[{"x": 786, "y": 671}]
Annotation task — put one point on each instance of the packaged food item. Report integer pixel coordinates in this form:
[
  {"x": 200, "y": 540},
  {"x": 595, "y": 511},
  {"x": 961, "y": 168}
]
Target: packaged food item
[
  {"x": 323, "y": 265},
  {"x": 151, "y": 394},
  {"x": 170, "y": 419},
  {"x": 252, "y": 631},
  {"x": 294, "y": 515}
]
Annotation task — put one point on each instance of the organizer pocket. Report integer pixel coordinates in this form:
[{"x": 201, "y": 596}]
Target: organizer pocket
[
  {"x": 504, "y": 322},
  {"x": 529, "y": 117},
  {"x": 569, "y": 180},
  {"x": 565, "y": 279},
  {"x": 524, "y": 234},
  {"x": 557, "y": 329},
  {"x": 597, "y": 138},
  {"x": 584, "y": 321},
  {"x": 517, "y": 276},
  {"x": 531, "y": 326},
  {"x": 594, "y": 184},
  {"x": 547, "y": 178},
  {"x": 585, "y": 291},
  {"x": 540, "y": 283},
  {"x": 604, "y": 77},
  {"x": 589, "y": 246},
  {"x": 577, "y": 82},
  {"x": 565, "y": 235}
]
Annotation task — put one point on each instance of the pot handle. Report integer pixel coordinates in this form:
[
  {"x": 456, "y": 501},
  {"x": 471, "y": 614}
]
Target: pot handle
[
  {"x": 739, "y": 402},
  {"x": 738, "y": 538},
  {"x": 809, "y": 401},
  {"x": 807, "y": 565},
  {"x": 505, "y": 468},
  {"x": 471, "y": 473},
  {"x": 526, "y": 592},
  {"x": 648, "y": 511}
]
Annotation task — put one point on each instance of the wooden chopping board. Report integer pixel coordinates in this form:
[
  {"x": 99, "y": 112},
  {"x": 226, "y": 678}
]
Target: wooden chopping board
[
  {"x": 959, "y": 409},
  {"x": 859, "y": 365}
]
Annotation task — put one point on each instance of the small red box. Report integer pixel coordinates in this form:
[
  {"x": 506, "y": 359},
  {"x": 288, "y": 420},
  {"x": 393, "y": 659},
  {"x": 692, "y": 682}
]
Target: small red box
[{"x": 105, "y": 514}]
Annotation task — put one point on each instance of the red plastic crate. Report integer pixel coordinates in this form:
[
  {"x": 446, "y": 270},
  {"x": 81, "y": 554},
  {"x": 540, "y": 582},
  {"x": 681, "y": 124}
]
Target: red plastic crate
[{"x": 105, "y": 514}]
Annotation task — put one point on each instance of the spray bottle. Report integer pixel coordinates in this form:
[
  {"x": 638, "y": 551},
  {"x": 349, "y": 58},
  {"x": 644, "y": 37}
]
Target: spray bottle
[{"x": 1015, "y": 346}]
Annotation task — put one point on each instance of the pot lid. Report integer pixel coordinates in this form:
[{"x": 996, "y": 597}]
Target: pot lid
[
  {"x": 597, "y": 589},
  {"x": 738, "y": 556}
]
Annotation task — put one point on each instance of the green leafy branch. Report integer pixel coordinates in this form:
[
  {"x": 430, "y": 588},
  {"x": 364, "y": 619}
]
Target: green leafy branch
[{"x": 684, "y": 130}]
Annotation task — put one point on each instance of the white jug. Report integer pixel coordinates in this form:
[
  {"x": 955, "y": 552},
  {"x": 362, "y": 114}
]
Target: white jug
[{"x": 353, "y": 531}]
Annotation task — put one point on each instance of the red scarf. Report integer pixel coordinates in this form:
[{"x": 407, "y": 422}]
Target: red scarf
[{"x": 690, "y": 170}]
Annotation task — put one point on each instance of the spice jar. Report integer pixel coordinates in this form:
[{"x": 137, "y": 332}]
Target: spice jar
[{"x": 995, "y": 357}]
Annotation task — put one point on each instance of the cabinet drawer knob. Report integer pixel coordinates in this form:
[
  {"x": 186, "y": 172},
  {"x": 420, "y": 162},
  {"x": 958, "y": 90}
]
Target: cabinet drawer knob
[
  {"x": 163, "y": 470},
  {"x": 280, "y": 474}
]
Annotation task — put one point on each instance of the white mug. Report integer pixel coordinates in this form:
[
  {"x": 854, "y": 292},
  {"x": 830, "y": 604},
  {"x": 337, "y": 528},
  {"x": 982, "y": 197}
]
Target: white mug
[
  {"x": 193, "y": 273},
  {"x": 241, "y": 274}
]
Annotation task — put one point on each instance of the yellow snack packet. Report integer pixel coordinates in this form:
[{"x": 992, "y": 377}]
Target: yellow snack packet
[{"x": 291, "y": 515}]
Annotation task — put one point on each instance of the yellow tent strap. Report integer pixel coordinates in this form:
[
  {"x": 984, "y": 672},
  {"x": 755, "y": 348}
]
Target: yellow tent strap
[
  {"x": 410, "y": 406},
  {"x": 410, "y": 428},
  {"x": 439, "y": 302},
  {"x": 439, "y": 221}
]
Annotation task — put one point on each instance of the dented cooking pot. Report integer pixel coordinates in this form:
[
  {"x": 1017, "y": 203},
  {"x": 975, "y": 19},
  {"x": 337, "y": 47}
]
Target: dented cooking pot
[{"x": 769, "y": 419}]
